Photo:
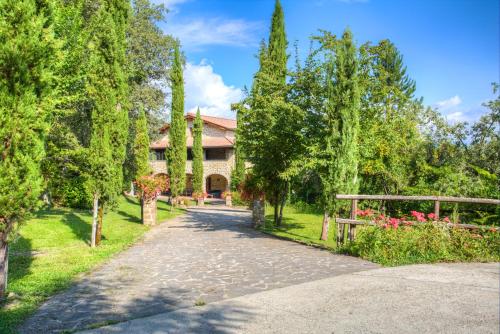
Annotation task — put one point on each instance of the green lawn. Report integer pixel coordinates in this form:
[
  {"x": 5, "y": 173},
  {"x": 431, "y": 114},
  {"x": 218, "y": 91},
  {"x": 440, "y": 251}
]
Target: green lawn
[
  {"x": 53, "y": 248},
  {"x": 298, "y": 226}
]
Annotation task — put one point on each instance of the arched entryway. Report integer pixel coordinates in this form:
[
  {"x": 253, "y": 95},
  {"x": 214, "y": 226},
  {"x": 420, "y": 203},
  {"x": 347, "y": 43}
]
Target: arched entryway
[{"x": 216, "y": 184}]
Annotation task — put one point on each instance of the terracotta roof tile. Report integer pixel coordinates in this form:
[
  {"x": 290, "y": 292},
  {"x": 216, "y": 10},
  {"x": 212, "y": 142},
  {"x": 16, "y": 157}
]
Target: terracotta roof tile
[{"x": 225, "y": 123}]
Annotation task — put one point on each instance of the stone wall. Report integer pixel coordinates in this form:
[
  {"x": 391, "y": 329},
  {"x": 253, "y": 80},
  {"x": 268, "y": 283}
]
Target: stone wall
[{"x": 210, "y": 167}]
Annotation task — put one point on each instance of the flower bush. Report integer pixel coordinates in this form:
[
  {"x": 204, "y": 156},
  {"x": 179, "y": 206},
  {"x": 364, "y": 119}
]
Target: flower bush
[
  {"x": 199, "y": 195},
  {"x": 149, "y": 187},
  {"x": 421, "y": 238}
]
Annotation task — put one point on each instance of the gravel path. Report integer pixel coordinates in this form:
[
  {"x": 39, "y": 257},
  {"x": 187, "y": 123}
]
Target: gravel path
[{"x": 207, "y": 255}]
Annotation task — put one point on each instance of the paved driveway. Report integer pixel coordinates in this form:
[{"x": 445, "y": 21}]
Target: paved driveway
[
  {"x": 452, "y": 298},
  {"x": 204, "y": 256}
]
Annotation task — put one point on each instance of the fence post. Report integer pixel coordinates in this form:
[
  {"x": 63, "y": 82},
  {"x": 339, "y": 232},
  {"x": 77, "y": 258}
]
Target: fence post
[
  {"x": 436, "y": 209},
  {"x": 352, "y": 227}
]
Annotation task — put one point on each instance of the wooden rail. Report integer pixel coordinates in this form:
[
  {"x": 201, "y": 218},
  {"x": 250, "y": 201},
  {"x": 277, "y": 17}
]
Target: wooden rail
[
  {"x": 367, "y": 222},
  {"x": 353, "y": 222},
  {"x": 421, "y": 198}
]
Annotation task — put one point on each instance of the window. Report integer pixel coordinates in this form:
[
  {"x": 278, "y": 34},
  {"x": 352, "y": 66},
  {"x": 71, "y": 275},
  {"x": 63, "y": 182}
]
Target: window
[
  {"x": 159, "y": 155},
  {"x": 189, "y": 154},
  {"x": 215, "y": 154}
]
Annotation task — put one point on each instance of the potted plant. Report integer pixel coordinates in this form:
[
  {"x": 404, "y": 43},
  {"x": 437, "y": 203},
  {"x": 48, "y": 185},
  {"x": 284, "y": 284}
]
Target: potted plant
[
  {"x": 199, "y": 197},
  {"x": 227, "y": 196}
]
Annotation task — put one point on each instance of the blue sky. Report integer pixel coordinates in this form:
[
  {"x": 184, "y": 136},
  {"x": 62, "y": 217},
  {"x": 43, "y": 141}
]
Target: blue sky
[{"x": 451, "y": 47}]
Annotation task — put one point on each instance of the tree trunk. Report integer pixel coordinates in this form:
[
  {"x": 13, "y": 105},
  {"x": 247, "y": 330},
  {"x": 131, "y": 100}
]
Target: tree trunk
[
  {"x": 99, "y": 226},
  {"x": 282, "y": 206},
  {"x": 141, "y": 201},
  {"x": 132, "y": 189},
  {"x": 276, "y": 207},
  {"x": 94, "y": 221},
  {"x": 326, "y": 225},
  {"x": 4, "y": 267}
]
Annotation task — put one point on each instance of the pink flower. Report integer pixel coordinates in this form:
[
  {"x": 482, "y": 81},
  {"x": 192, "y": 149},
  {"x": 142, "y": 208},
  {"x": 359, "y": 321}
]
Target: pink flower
[
  {"x": 446, "y": 219},
  {"x": 431, "y": 216},
  {"x": 364, "y": 213},
  {"x": 394, "y": 222}
]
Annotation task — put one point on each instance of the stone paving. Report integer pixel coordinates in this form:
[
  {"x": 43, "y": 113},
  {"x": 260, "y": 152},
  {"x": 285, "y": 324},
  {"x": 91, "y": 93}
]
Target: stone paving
[{"x": 207, "y": 255}]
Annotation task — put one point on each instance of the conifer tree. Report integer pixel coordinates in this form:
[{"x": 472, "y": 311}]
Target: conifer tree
[
  {"x": 177, "y": 134},
  {"x": 141, "y": 146},
  {"x": 389, "y": 119},
  {"x": 238, "y": 174},
  {"x": 338, "y": 151},
  {"x": 107, "y": 88},
  {"x": 271, "y": 136},
  {"x": 277, "y": 45},
  {"x": 27, "y": 50},
  {"x": 197, "y": 154}
]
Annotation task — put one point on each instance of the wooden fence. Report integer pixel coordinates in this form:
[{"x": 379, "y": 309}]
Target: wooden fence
[{"x": 352, "y": 222}]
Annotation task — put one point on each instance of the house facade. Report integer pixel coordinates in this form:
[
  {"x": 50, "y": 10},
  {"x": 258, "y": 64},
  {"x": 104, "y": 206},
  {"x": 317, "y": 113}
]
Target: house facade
[{"x": 218, "y": 153}]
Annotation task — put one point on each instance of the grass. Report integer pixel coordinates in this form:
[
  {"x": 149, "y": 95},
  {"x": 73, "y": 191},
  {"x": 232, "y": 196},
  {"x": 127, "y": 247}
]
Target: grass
[
  {"x": 53, "y": 248},
  {"x": 300, "y": 227}
]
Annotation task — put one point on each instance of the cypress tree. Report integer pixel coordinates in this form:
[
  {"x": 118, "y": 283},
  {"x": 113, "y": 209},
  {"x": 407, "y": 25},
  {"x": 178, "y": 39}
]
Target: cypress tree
[
  {"x": 107, "y": 89},
  {"x": 141, "y": 146},
  {"x": 277, "y": 45},
  {"x": 177, "y": 134},
  {"x": 340, "y": 154},
  {"x": 197, "y": 154},
  {"x": 238, "y": 174},
  {"x": 271, "y": 136},
  {"x": 27, "y": 52}
]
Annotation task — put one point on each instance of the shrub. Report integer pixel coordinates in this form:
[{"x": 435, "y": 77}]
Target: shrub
[
  {"x": 425, "y": 243},
  {"x": 72, "y": 193},
  {"x": 149, "y": 187},
  {"x": 237, "y": 200}
]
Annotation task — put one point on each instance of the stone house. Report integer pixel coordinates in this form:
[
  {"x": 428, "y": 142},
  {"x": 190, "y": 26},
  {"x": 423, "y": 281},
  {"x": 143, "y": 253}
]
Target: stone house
[{"x": 218, "y": 153}]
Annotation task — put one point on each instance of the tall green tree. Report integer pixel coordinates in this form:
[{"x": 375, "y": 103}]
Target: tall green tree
[
  {"x": 238, "y": 173},
  {"x": 27, "y": 50},
  {"x": 389, "y": 119},
  {"x": 336, "y": 150},
  {"x": 177, "y": 154},
  {"x": 107, "y": 87},
  {"x": 69, "y": 135},
  {"x": 149, "y": 58},
  {"x": 197, "y": 153},
  {"x": 271, "y": 134},
  {"x": 141, "y": 146},
  {"x": 277, "y": 46}
]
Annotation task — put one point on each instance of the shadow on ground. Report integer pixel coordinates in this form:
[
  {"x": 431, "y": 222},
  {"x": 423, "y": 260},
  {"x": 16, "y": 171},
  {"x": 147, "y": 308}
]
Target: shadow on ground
[{"x": 101, "y": 310}]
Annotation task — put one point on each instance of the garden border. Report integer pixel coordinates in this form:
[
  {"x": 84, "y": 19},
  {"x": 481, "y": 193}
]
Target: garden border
[{"x": 353, "y": 222}]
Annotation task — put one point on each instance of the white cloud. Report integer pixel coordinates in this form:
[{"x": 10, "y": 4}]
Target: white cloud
[
  {"x": 197, "y": 33},
  {"x": 207, "y": 90},
  {"x": 457, "y": 116},
  {"x": 449, "y": 103}
]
